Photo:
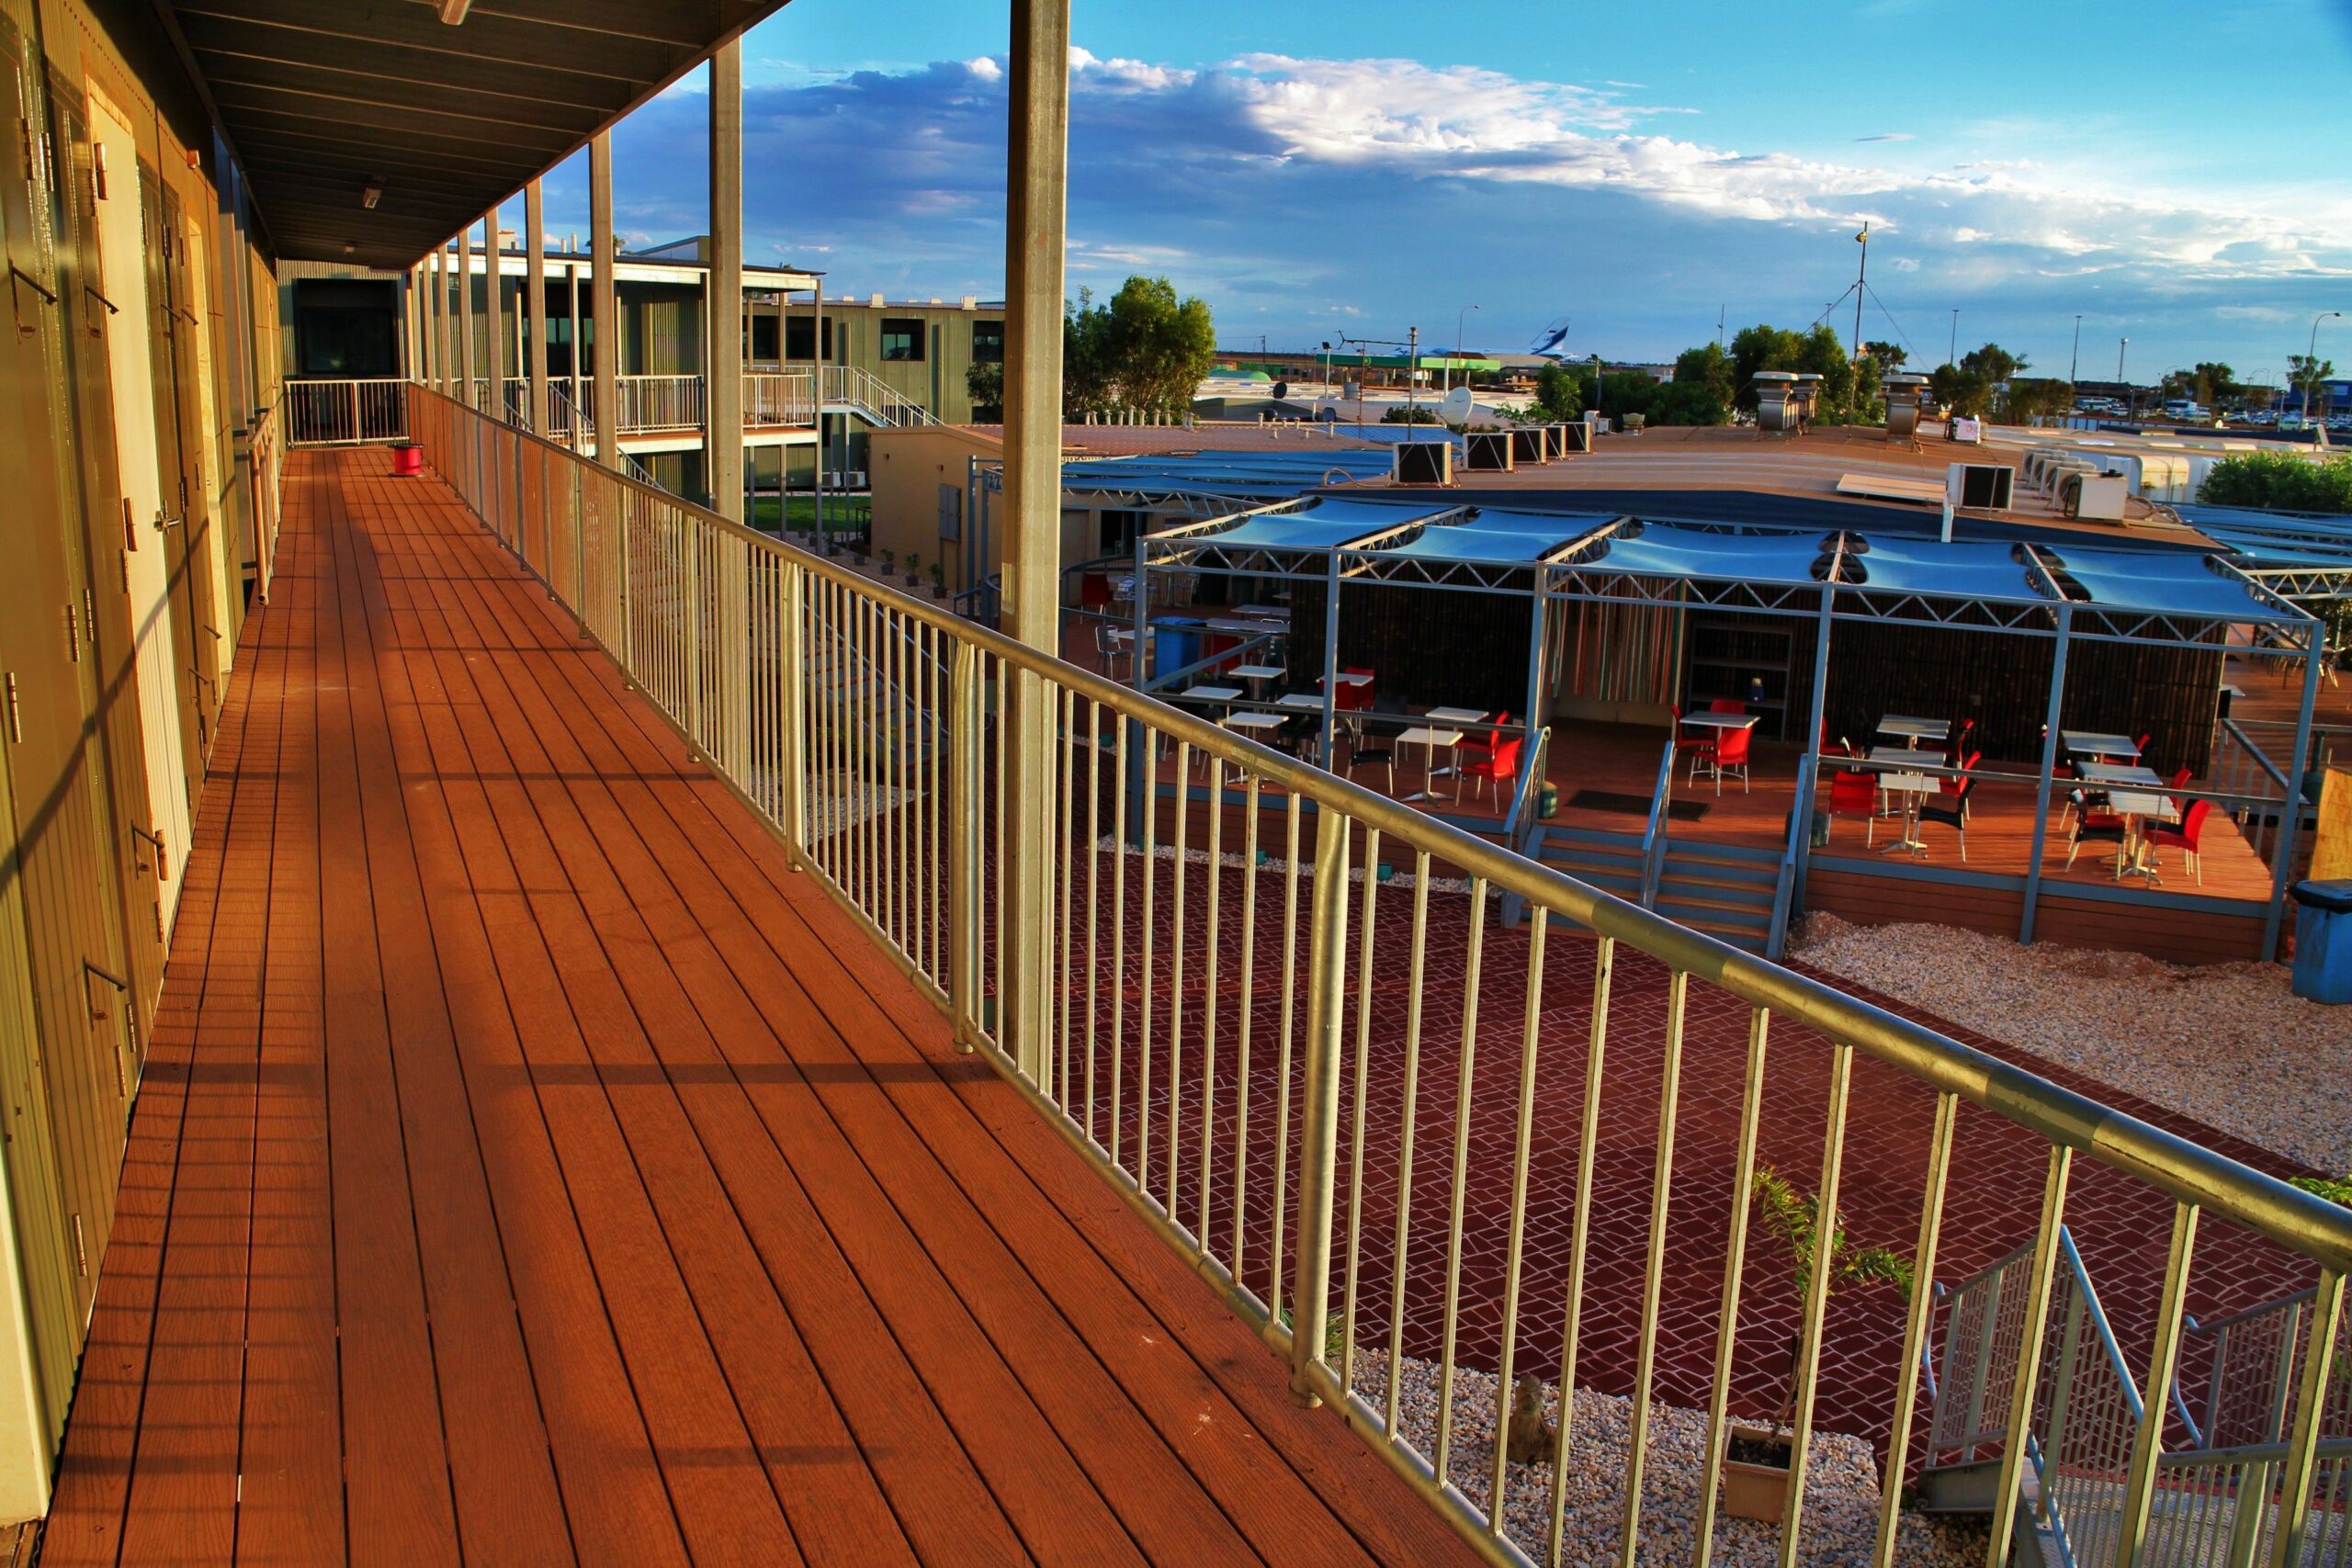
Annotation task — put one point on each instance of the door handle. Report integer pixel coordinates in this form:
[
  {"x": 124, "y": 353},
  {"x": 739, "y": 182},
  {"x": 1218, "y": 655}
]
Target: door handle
[{"x": 163, "y": 523}]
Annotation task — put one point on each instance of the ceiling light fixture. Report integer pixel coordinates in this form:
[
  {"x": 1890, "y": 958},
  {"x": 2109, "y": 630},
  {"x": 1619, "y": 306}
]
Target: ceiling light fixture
[
  {"x": 371, "y": 196},
  {"x": 453, "y": 11}
]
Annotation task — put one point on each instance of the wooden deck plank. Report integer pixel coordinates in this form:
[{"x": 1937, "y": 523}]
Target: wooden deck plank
[{"x": 523, "y": 1178}]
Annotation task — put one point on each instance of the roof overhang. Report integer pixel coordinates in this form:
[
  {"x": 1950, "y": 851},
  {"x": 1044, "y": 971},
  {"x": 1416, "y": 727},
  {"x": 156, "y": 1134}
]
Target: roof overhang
[{"x": 322, "y": 99}]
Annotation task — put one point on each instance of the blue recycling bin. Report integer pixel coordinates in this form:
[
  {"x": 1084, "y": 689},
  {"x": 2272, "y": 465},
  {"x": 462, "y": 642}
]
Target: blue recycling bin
[
  {"x": 2324, "y": 940},
  {"x": 1174, "y": 645}
]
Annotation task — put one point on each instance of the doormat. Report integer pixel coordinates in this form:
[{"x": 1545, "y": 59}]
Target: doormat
[{"x": 1636, "y": 804}]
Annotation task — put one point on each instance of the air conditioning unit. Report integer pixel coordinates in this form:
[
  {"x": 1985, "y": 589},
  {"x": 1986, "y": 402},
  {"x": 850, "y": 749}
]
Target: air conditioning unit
[
  {"x": 855, "y": 480},
  {"x": 1982, "y": 486},
  {"x": 2098, "y": 498},
  {"x": 1487, "y": 451},
  {"x": 1531, "y": 446},
  {"x": 1421, "y": 463},
  {"x": 1574, "y": 438}
]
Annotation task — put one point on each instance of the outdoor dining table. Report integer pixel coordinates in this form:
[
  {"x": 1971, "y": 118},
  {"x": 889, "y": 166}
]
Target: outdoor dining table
[
  {"x": 1719, "y": 721},
  {"x": 1455, "y": 716},
  {"x": 1262, "y": 612},
  {"x": 1211, "y": 693},
  {"x": 1912, "y": 730},
  {"x": 1914, "y": 788},
  {"x": 1255, "y": 674},
  {"x": 2092, "y": 743},
  {"x": 2138, "y": 807},
  {"x": 1254, "y": 721},
  {"x": 1350, "y": 678},
  {"x": 1429, "y": 738},
  {"x": 1892, "y": 761},
  {"x": 1312, "y": 702}
]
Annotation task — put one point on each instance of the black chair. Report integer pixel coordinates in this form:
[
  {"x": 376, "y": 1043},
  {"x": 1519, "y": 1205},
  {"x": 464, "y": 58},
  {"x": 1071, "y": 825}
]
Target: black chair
[
  {"x": 2098, "y": 828},
  {"x": 1951, "y": 810},
  {"x": 1379, "y": 756}
]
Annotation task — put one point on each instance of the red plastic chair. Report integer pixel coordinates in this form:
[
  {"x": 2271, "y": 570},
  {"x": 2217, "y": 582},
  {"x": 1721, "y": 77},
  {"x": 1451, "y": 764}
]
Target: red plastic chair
[
  {"x": 1725, "y": 704},
  {"x": 1957, "y": 785},
  {"x": 1498, "y": 768},
  {"x": 2191, "y": 828},
  {"x": 1471, "y": 747},
  {"x": 1697, "y": 745},
  {"x": 1855, "y": 795},
  {"x": 1730, "y": 752}
]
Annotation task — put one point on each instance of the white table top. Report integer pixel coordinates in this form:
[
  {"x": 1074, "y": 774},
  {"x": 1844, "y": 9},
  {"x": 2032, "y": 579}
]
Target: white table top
[
  {"x": 1307, "y": 699},
  {"x": 1354, "y": 680},
  {"x": 1455, "y": 715},
  {"x": 1253, "y": 721},
  {"x": 1719, "y": 720},
  {"x": 1264, "y": 612},
  {"x": 1212, "y": 694},
  {"x": 1919, "y": 729},
  {"x": 1122, "y": 634},
  {"x": 2135, "y": 802},
  {"x": 2121, "y": 774},
  {"x": 1258, "y": 671},
  {"x": 1893, "y": 757},
  {"x": 1249, "y": 628},
  {"x": 1910, "y": 784},
  {"x": 2092, "y": 743},
  {"x": 1422, "y": 735}
]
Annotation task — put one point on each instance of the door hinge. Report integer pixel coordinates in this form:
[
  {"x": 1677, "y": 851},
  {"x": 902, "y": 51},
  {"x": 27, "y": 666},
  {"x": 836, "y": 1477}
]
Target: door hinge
[
  {"x": 81, "y": 1254},
  {"x": 16, "y": 716},
  {"x": 98, "y": 170},
  {"x": 73, "y": 632},
  {"x": 183, "y": 495},
  {"x": 129, "y": 530},
  {"x": 90, "y": 619}
]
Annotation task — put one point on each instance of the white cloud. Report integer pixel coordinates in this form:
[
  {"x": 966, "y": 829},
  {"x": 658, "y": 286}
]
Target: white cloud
[{"x": 985, "y": 69}]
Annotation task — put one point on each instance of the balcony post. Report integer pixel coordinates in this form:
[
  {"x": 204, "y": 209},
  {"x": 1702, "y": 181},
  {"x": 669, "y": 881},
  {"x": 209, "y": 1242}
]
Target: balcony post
[
  {"x": 1037, "y": 193},
  {"x": 444, "y": 356},
  {"x": 435, "y": 283},
  {"x": 579, "y": 409},
  {"x": 534, "y": 304},
  {"x": 465, "y": 356},
  {"x": 603, "y": 311},
  {"x": 493, "y": 317},
  {"x": 723, "y": 349},
  {"x": 1327, "y": 989}
]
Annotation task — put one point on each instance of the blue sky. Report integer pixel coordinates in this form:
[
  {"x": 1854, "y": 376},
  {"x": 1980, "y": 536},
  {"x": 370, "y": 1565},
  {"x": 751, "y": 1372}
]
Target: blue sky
[{"x": 2174, "y": 173}]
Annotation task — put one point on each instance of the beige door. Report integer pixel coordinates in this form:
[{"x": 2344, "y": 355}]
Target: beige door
[
  {"x": 122, "y": 280},
  {"x": 211, "y": 535}
]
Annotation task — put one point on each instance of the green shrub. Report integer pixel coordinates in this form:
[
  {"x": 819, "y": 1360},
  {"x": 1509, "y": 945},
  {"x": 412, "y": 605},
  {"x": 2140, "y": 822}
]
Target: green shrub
[{"x": 2281, "y": 481}]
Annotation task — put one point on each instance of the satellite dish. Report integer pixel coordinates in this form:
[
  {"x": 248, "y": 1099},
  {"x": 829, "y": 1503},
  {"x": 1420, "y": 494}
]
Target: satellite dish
[{"x": 1457, "y": 406}]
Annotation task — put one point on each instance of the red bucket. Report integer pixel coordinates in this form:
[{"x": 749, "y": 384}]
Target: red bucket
[{"x": 408, "y": 460}]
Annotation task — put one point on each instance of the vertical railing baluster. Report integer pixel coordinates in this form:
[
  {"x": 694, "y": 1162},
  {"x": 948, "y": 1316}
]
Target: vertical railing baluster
[
  {"x": 1652, "y": 1282},
  {"x": 1727, "y": 1315},
  {"x": 1149, "y": 807},
  {"x": 2163, "y": 1359},
  {"x": 1245, "y": 1008},
  {"x": 1093, "y": 899},
  {"x": 963, "y": 839},
  {"x": 2033, "y": 1323},
  {"x": 1806, "y": 1374},
  {"x": 1319, "y": 1115},
  {"x": 1917, "y": 1321},
  {"x": 2313, "y": 1401},
  {"x": 1472, "y": 968},
  {"x": 1530, "y": 1051},
  {"x": 1283, "y": 1059},
  {"x": 1407, "y": 1112},
  {"x": 1207, "y": 1160},
  {"x": 1176, "y": 873},
  {"x": 1356, "y": 1110}
]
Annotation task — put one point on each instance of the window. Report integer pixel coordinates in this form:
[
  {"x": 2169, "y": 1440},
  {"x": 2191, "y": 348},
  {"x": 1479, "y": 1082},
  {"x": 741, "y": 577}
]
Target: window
[
  {"x": 902, "y": 338},
  {"x": 987, "y": 342}
]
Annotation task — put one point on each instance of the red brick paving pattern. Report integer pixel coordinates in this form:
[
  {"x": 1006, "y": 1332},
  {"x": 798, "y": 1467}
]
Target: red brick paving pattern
[{"x": 2119, "y": 1227}]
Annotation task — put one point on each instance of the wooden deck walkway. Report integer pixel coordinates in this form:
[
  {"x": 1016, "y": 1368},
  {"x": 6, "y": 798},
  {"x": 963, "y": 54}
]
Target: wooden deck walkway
[{"x": 530, "y": 1167}]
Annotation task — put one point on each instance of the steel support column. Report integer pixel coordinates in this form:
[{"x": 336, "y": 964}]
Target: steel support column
[
  {"x": 2291, "y": 809},
  {"x": 603, "y": 311},
  {"x": 465, "y": 356},
  {"x": 723, "y": 349},
  {"x": 578, "y": 409},
  {"x": 493, "y": 318},
  {"x": 2050, "y": 722},
  {"x": 534, "y": 304},
  {"x": 435, "y": 297},
  {"x": 1036, "y": 180}
]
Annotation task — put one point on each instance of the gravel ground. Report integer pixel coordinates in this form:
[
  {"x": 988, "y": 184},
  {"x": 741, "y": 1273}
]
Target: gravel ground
[
  {"x": 2227, "y": 1044},
  {"x": 1840, "y": 1522}
]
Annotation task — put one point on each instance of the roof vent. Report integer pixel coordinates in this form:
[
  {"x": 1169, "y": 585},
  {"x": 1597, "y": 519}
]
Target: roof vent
[
  {"x": 969, "y": 303},
  {"x": 875, "y": 302}
]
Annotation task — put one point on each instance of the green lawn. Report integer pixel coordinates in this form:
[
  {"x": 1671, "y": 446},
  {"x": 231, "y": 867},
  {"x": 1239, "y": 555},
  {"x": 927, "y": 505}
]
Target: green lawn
[{"x": 844, "y": 514}]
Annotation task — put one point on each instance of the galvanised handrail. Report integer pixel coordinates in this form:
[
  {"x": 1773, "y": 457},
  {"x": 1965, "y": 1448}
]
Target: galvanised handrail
[
  {"x": 344, "y": 411},
  {"x": 1653, "y": 831},
  {"x": 904, "y": 817},
  {"x": 2223, "y": 1508}
]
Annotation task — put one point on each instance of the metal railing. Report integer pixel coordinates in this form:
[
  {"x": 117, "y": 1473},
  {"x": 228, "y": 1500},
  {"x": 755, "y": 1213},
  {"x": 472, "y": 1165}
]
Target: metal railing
[
  {"x": 1200, "y": 1022},
  {"x": 1653, "y": 831},
  {"x": 786, "y": 398},
  {"x": 339, "y": 412},
  {"x": 648, "y": 404},
  {"x": 849, "y": 386}
]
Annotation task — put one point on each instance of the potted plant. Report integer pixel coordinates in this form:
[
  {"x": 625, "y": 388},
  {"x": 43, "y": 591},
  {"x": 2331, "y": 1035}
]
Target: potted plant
[
  {"x": 889, "y": 562},
  {"x": 938, "y": 580},
  {"x": 1756, "y": 1459},
  {"x": 915, "y": 568}
]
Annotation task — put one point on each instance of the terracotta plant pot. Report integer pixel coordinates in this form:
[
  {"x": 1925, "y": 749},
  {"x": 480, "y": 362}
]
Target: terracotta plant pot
[{"x": 1756, "y": 1474}]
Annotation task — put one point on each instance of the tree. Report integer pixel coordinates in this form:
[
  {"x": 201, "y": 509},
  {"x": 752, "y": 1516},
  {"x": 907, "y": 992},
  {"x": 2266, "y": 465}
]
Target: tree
[
  {"x": 1087, "y": 385},
  {"x": 1890, "y": 355},
  {"x": 2310, "y": 377},
  {"x": 986, "y": 384},
  {"x": 1761, "y": 347},
  {"x": 1993, "y": 363},
  {"x": 1707, "y": 366},
  {"x": 1560, "y": 393},
  {"x": 2033, "y": 397},
  {"x": 1965, "y": 392},
  {"x": 1159, "y": 347},
  {"x": 2210, "y": 382},
  {"x": 1687, "y": 402}
]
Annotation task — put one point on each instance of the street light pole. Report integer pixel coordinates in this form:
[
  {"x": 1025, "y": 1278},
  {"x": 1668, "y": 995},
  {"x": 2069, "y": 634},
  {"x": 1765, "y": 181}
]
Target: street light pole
[
  {"x": 2074, "y": 360},
  {"x": 1458, "y": 317},
  {"x": 1951, "y": 355},
  {"x": 2130, "y": 403},
  {"x": 2311, "y": 362}
]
